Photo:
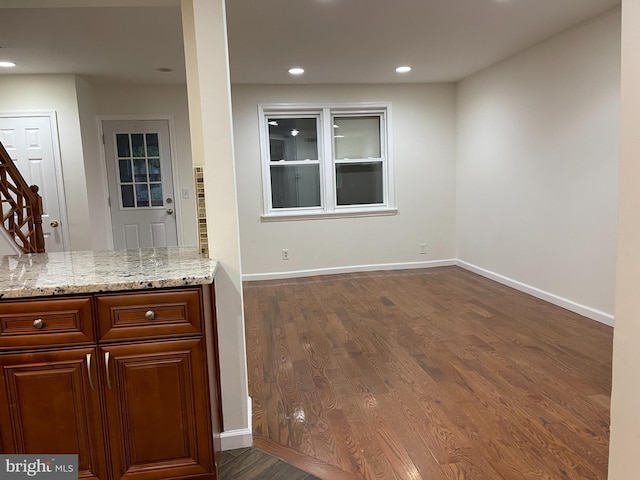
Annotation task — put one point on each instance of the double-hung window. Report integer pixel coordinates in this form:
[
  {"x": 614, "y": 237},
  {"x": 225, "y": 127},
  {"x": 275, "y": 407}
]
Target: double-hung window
[{"x": 326, "y": 160}]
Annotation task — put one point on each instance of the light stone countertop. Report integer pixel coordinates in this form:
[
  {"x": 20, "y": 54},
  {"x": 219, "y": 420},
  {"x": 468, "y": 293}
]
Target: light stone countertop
[{"x": 66, "y": 273}]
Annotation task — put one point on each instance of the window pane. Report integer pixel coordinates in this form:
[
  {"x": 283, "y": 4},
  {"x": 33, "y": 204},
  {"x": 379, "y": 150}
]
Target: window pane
[
  {"x": 142, "y": 195},
  {"x": 152, "y": 145},
  {"x": 137, "y": 144},
  {"x": 295, "y": 186},
  {"x": 140, "y": 169},
  {"x": 154, "y": 170},
  {"x": 156, "y": 195},
  {"x": 293, "y": 139},
  {"x": 125, "y": 171},
  {"x": 359, "y": 183},
  {"x": 357, "y": 137},
  {"x": 127, "y": 196},
  {"x": 122, "y": 139}
]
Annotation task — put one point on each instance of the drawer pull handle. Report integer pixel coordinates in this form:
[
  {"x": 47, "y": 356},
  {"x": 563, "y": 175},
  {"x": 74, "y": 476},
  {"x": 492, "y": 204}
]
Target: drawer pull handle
[
  {"x": 38, "y": 323},
  {"x": 150, "y": 315},
  {"x": 89, "y": 371},
  {"x": 106, "y": 362}
]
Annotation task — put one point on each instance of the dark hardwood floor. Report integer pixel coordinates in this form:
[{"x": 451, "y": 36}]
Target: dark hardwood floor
[
  {"x": 427, "y": 374},
  {"x": 254, "y": 464}
]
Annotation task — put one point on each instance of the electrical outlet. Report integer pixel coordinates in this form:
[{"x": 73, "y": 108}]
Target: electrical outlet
[
  {"x": 423, "y": 249},
  {"x": 285, "y": 254}
]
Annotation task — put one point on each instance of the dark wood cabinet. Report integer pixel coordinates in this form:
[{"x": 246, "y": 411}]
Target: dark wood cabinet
[
  {"x": 137, "y": 401},
  {"x": 156, "y": 399},
  {"x": 48, "y": 404}
]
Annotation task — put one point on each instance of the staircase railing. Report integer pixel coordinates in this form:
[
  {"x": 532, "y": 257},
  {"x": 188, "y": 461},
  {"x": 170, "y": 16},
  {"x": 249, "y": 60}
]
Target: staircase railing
[{"x": 21, "y": 211}]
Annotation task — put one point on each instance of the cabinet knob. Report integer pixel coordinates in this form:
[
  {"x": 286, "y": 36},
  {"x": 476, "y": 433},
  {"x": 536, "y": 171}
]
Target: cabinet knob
[
  {"x": 150, "y": 315},
  {"x": 38, "y": 323}
]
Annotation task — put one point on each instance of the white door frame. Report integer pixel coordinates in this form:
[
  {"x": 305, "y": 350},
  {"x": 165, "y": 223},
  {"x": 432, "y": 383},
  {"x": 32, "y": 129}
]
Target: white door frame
[
  {"x": 175, "y": 178},
  {"x": 57, "y": 161}
]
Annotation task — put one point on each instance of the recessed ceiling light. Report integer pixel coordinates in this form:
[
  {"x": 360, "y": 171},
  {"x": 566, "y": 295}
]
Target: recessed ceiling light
[
  {"x": 403, "y": 69},
  {"x": 273, "y": 122},
  {"x": 7, "y": 64},
  {"x": 295, "y": 132},
  {"x": 296, "y": 71}
]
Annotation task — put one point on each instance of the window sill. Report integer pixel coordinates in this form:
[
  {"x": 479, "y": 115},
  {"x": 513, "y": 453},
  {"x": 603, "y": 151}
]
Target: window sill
[{"x": 285, "y": 217}]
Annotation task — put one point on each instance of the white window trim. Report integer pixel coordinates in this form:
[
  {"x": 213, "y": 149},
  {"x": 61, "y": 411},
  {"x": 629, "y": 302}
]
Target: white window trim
[{"x": 328, "y": 192}]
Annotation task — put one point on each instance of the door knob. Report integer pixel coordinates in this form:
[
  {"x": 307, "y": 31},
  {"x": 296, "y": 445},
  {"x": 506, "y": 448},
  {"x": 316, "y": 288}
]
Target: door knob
[
  {"x": 170, "y": 211},
  {"x": 54, "y": 224}
]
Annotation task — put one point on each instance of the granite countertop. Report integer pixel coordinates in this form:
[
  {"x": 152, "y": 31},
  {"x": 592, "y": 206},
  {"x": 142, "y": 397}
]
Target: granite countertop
[{"x": 65, "y": 273}]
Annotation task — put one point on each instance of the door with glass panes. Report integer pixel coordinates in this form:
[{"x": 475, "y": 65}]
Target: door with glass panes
[{"x": 141, "y": 192}]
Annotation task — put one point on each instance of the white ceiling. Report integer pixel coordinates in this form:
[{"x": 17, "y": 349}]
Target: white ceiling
[
  {"x": 362, "y": 41},
  {"x": 336, "y": 41},
  {"x": 115, "y": 44}
]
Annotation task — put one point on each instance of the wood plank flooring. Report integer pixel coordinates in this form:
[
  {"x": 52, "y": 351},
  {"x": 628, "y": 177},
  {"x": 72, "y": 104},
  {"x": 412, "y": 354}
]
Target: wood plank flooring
[
  {"x": 253, "y": 464},
  {"x": 435, "y": 374}
]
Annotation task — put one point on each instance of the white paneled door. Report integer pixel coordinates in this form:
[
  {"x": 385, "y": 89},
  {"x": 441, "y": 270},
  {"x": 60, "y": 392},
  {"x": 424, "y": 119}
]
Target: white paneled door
[
  {"x": 138, "y": 155},
  {"x": 29, "y": 142}
]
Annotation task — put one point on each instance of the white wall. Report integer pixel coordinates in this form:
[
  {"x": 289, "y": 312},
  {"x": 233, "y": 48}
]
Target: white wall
[
  {"x": 207, "y": 65},
  {"x": 537, "y": 165},
  {"x": 423, "y": 119},
  {"x": 158, "y": 100},
  {"x": 76, "y": 103},
  {"x": 625, "y": 397},
  {"x": 93, "y": 164},
  {"x": 7, "y": 246},
  {"x": 23, "y": 93}
]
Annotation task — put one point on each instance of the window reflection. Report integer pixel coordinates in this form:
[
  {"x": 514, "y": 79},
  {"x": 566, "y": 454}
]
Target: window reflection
[
  {"x": 292, "y": 139},
  {"x": 140, "y": 176},
  {"x": 359, "y": 183},
  {"x": 295, "y": 186}
]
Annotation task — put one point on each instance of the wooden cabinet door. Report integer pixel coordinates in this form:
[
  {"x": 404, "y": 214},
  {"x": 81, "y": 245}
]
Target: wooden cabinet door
[
  {"x": 158, "y": 410},
  {"x": 50, "y": 404}
]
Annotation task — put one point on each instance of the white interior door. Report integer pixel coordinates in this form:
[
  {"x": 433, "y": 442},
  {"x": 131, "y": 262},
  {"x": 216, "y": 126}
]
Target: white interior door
[
  {"x": 138, "y": 155},
  {"x": 29, "y": 142}
]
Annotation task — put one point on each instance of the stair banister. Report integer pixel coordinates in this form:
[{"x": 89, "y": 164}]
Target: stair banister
[{"x": 21, "y": 207}]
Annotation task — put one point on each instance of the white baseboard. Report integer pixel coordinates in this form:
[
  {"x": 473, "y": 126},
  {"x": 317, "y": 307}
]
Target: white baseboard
[
  {"x": 592, "y": 313},
  {"x": 236, "y": 439},
  {"x": 241, "y": 438},
  {"x": 349, "y": 269}
]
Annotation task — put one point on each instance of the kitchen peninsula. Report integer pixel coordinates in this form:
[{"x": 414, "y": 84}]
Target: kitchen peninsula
[{"x": 112, "y": 356}]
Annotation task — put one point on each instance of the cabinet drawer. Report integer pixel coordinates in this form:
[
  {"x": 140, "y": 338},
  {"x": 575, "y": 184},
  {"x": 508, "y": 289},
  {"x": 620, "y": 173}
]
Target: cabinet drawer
[
  {"x": 32, "y": 323},
  {"x": 143, "y": 315}
]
